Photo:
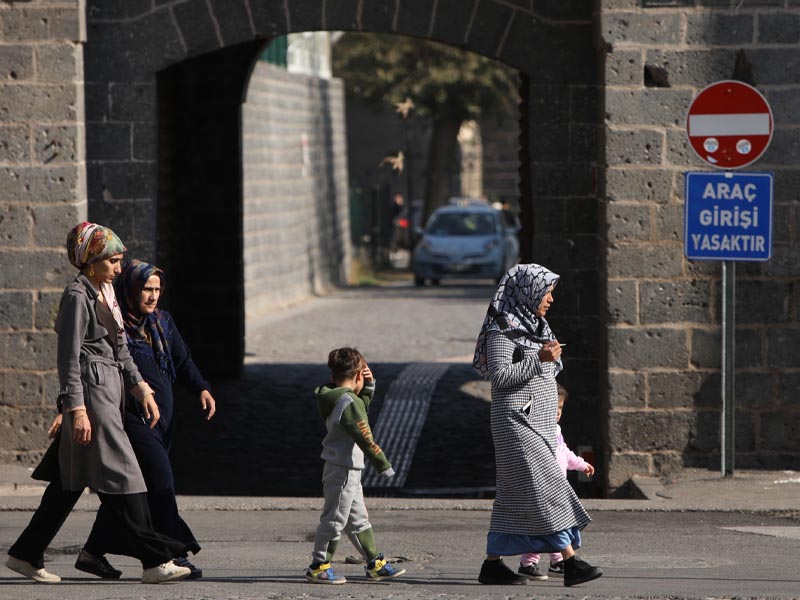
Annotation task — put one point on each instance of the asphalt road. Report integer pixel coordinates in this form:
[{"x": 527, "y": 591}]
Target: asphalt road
[{"x": 262, "y": 554}]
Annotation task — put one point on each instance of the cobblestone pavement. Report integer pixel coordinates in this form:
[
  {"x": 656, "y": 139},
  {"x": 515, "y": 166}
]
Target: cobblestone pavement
[{"x": 265, "y": 439}]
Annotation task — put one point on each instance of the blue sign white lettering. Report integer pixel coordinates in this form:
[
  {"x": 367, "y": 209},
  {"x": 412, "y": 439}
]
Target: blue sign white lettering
[{"x": 728, "y": 216}]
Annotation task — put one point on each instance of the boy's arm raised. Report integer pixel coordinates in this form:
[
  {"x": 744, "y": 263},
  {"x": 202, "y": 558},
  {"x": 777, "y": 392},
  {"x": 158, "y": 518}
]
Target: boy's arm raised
[{"x": 355, "y": 422}]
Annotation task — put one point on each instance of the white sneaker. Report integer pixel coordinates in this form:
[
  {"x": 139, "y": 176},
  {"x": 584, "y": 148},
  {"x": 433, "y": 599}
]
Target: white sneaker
[
  {"x": 169, "y": 571},
  {"x": 28, "y": 570}
]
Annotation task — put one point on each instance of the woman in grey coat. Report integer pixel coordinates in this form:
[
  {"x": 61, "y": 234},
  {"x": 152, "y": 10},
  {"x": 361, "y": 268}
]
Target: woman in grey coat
[
  {"x": 94, "y": 367},
  {"x": 535, "y": 508}
]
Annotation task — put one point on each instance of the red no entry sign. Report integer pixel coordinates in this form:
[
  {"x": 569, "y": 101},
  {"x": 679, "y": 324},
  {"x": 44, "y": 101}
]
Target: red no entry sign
[{"x": 729, "y": 124}]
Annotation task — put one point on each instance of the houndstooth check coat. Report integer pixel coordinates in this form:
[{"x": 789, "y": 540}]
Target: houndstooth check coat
[{"x": 533, "y": 496}]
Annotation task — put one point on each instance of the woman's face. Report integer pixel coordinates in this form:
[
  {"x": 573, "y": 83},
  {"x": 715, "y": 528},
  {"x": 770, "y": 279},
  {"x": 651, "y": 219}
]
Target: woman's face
[
  {"x": 544, "y": 306},
  {"x": 151, "y": 292},
  {"x": 106, "y": 270}
]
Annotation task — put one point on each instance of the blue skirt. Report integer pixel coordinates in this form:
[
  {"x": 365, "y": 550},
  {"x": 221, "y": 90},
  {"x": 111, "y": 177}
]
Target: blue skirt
[{"x": 509, "y": 544}]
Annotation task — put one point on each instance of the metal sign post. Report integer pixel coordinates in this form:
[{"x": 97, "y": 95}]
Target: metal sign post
[{"x": 728, "y": 441}]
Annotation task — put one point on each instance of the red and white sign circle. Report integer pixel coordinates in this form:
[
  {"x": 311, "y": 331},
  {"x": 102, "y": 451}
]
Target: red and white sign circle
[{"x": 729, "y": 124}]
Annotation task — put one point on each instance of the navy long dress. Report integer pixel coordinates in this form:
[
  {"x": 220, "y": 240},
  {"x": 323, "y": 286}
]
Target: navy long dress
[{"x": 152, "y": 446}]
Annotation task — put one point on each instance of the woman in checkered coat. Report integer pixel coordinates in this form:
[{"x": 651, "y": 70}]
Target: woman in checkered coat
[{"x": 535, "y": 508}]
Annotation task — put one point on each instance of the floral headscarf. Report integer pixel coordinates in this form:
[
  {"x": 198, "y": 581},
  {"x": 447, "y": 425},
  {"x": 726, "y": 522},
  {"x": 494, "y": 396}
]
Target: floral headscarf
[
  {"x": 513, "y": 310},
  {"x": 139, "y": 327},
  {"x": 88, "y": 243}
]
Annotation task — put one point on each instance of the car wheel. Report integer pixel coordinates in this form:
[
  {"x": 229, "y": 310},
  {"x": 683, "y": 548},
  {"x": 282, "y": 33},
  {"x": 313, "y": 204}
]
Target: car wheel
[{"x": 419, "y": 281}]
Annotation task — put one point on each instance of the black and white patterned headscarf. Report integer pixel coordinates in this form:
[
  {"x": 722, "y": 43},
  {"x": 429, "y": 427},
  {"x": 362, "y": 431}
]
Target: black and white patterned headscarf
[{"x": 513, "y": 310}]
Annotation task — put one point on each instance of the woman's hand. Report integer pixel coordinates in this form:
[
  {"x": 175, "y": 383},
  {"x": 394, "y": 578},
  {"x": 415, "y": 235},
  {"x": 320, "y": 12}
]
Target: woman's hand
[
  {"x": 150, "y": 409},
  {"x": 81, "y": 427},
  {"x": 55, "y": 427},
  {"x": 208, "y": 403},
  {"x": 550, "y": 352}
]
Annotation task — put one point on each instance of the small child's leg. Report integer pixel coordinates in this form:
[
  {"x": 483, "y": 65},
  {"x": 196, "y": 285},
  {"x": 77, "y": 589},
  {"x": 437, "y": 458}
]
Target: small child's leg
[
  {"x": 334, "y": 513},
  {"x": 556, "y": 557},
  {"x": 526, "y": 560}
]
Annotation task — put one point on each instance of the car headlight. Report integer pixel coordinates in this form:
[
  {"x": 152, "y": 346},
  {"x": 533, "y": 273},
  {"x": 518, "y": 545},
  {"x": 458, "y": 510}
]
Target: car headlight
[{"x": 491, "y": 245}]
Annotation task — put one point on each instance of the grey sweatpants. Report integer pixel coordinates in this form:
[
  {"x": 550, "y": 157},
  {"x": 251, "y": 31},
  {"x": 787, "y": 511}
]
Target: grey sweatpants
[{"x": 344, "y": 509}]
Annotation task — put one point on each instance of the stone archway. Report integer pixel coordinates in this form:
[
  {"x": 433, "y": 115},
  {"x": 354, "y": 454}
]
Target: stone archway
[{"x": 145, "y": 61}]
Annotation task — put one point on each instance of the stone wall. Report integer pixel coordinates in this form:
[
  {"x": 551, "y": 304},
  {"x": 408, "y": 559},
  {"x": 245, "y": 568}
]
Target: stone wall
[
  {"x": 42, "y": 195},
  {"x": 664, "y": 311},
  {"x": 296, "y": 213}
]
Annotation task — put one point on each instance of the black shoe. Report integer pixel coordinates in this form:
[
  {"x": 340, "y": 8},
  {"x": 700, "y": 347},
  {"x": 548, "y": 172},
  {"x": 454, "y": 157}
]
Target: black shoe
[
  {"x": 532, "y": 572},
  {"x": 183, "y": 561},
  {"x": 96, "y": 565},
  {"x": 495, "y": 572},
  {"x": 577, "y": 571},
  {"x": 556, "y": 568}
]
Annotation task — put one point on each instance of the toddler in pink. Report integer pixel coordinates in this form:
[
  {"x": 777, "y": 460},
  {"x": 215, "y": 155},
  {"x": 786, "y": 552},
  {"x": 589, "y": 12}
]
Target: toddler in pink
[{"x": 568, "y": 461}]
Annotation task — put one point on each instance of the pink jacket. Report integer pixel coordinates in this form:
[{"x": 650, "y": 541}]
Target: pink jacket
[{"x": 567, "y": 459}]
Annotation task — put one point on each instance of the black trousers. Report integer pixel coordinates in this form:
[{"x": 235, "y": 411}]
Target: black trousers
[{"x": 122, "y": 526}]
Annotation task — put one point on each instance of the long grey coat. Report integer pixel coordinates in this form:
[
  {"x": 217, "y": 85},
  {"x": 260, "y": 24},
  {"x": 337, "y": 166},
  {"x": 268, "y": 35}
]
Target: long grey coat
[
  {"x": 90, "y": 376},
  {"x": 533, "y": 496}
]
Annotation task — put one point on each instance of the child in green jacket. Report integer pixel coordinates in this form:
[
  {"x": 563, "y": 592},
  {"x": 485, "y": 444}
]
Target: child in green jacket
[{"x": 343, "y": 404}]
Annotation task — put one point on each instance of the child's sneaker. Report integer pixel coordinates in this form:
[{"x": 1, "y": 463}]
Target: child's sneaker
[
  {"x": 532, "y": 572},
  {"x": 378, "y": 569},
  {"x": 556, "y": 568},
  {"x": 323, "y": 573}
]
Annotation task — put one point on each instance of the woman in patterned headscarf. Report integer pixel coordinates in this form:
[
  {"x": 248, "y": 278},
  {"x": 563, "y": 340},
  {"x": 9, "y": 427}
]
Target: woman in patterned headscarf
[
  {"x": 162, "y": 357},
  {"x": 535, "y": 508},
  {"x": 94, "y": 368}
]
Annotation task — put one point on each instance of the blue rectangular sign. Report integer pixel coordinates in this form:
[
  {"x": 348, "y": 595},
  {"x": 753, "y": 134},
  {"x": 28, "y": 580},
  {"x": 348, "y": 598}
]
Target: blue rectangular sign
[{"x": 728, "y": 216}]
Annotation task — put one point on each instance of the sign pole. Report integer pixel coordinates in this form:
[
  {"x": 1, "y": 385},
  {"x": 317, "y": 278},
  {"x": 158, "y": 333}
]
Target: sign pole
[{"x": 728, "y": 365}]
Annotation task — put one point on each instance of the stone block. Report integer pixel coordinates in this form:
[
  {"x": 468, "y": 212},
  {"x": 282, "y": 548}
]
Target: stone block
[
  {"x": 39, "y": 184},
  {"x": 16, "y": 310},
  {"x": 683, "y": 389},
  {"x": 15, "y": 225},
  {"x": 56, "y": 144},
  {"x": 666, "y": 464},
  {"x": 121, "y": 180},
  {"x": 707, "y": 349},
  {"x": 132, "y": 102},
  {"x": 98, "y": 101},
  {"x": 570, "y": 10},
  {"x": 621, "y": 467},
  {"x": 33, "y": 270},
  {"x": 47, "y": 102},
  {"x": 650, "y": 348},
  {"x": 784, "y": 149},
  {"x": 674, "y": 302},
  {"x": 697, "y": 68},
  {"x": 52, "y": 222},
  {"x": 624, "y": 67},
  {"x": 782, "y": 345},
  {"x": 234, "y": 21},
  {"x": 705, "y": 432},
  {"x": 641, "y": 28},
  {"x": 788, "y": 388},
  {"x": 108, "y": 141},
  {"x": 775, "y": 66},
  {"x": 669, "y": 223},
  {"x": 16, "y": 63},
  {"x": 581, "y": 215},
  {"x": 197, "y": 28},
  {"x": 628, "y": 222},
  {"x": 784, "y": 104},
  {"x": 415, "y": 17},
  {"x": 37, "y": 24},
  {"x": 760, "y": 301},
  {"x": 548, "y": 143},
  {"x": 377, "y": 15},
  {"x": 58, "y": 62},
  {"x": 583, "y": 142},
  {"x": 562, "y": 179},
  {"x": 26, "y": 429},
  {"x": 342, "y": 15},
  {"x": 634, "y": 147},
  {"x": 117, "y": 10},
  {"x": 46, "y": 309},
  {"x": 584, "y": 105},
  {"x": 626, "y": 390},
  {"x": 30, "y": 350},
  {"x": 639, "y": 185},
  {"x": 680, "y": 153},
  {"x": 666, "y": 107},
  {"x": 451, "y": 22},
  {"x": 145, "y": 141},
  {"x": 640, "y": 260},
  {"x": 782, "y": 264},
  {"x": 550, "y": 104},
  {"x": 779, "y": 28},
  {"x": 666, "y": 430},
  {"x": 780, "y": 431},
  {"x": 14, "y": 144},
  {"x": 21, "y": 389},
  {"x": 754, "y": 391},
  {"x": 489, "y": 25},
  {"x": 719, "y": 29},
  {"x": 623, "y": 302}
]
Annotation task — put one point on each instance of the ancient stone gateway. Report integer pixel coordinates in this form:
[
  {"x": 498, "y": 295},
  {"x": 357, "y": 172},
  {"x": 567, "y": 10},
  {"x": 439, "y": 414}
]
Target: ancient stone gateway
[{"x": 605, "y": 88}]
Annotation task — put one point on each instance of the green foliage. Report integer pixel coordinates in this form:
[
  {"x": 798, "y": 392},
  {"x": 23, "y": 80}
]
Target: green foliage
[{"x": 441, "y": 80}]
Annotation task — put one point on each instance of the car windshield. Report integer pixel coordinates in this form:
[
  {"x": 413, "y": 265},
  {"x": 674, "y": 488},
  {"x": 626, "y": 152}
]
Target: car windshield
[{"x": 462, "y": 223}]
